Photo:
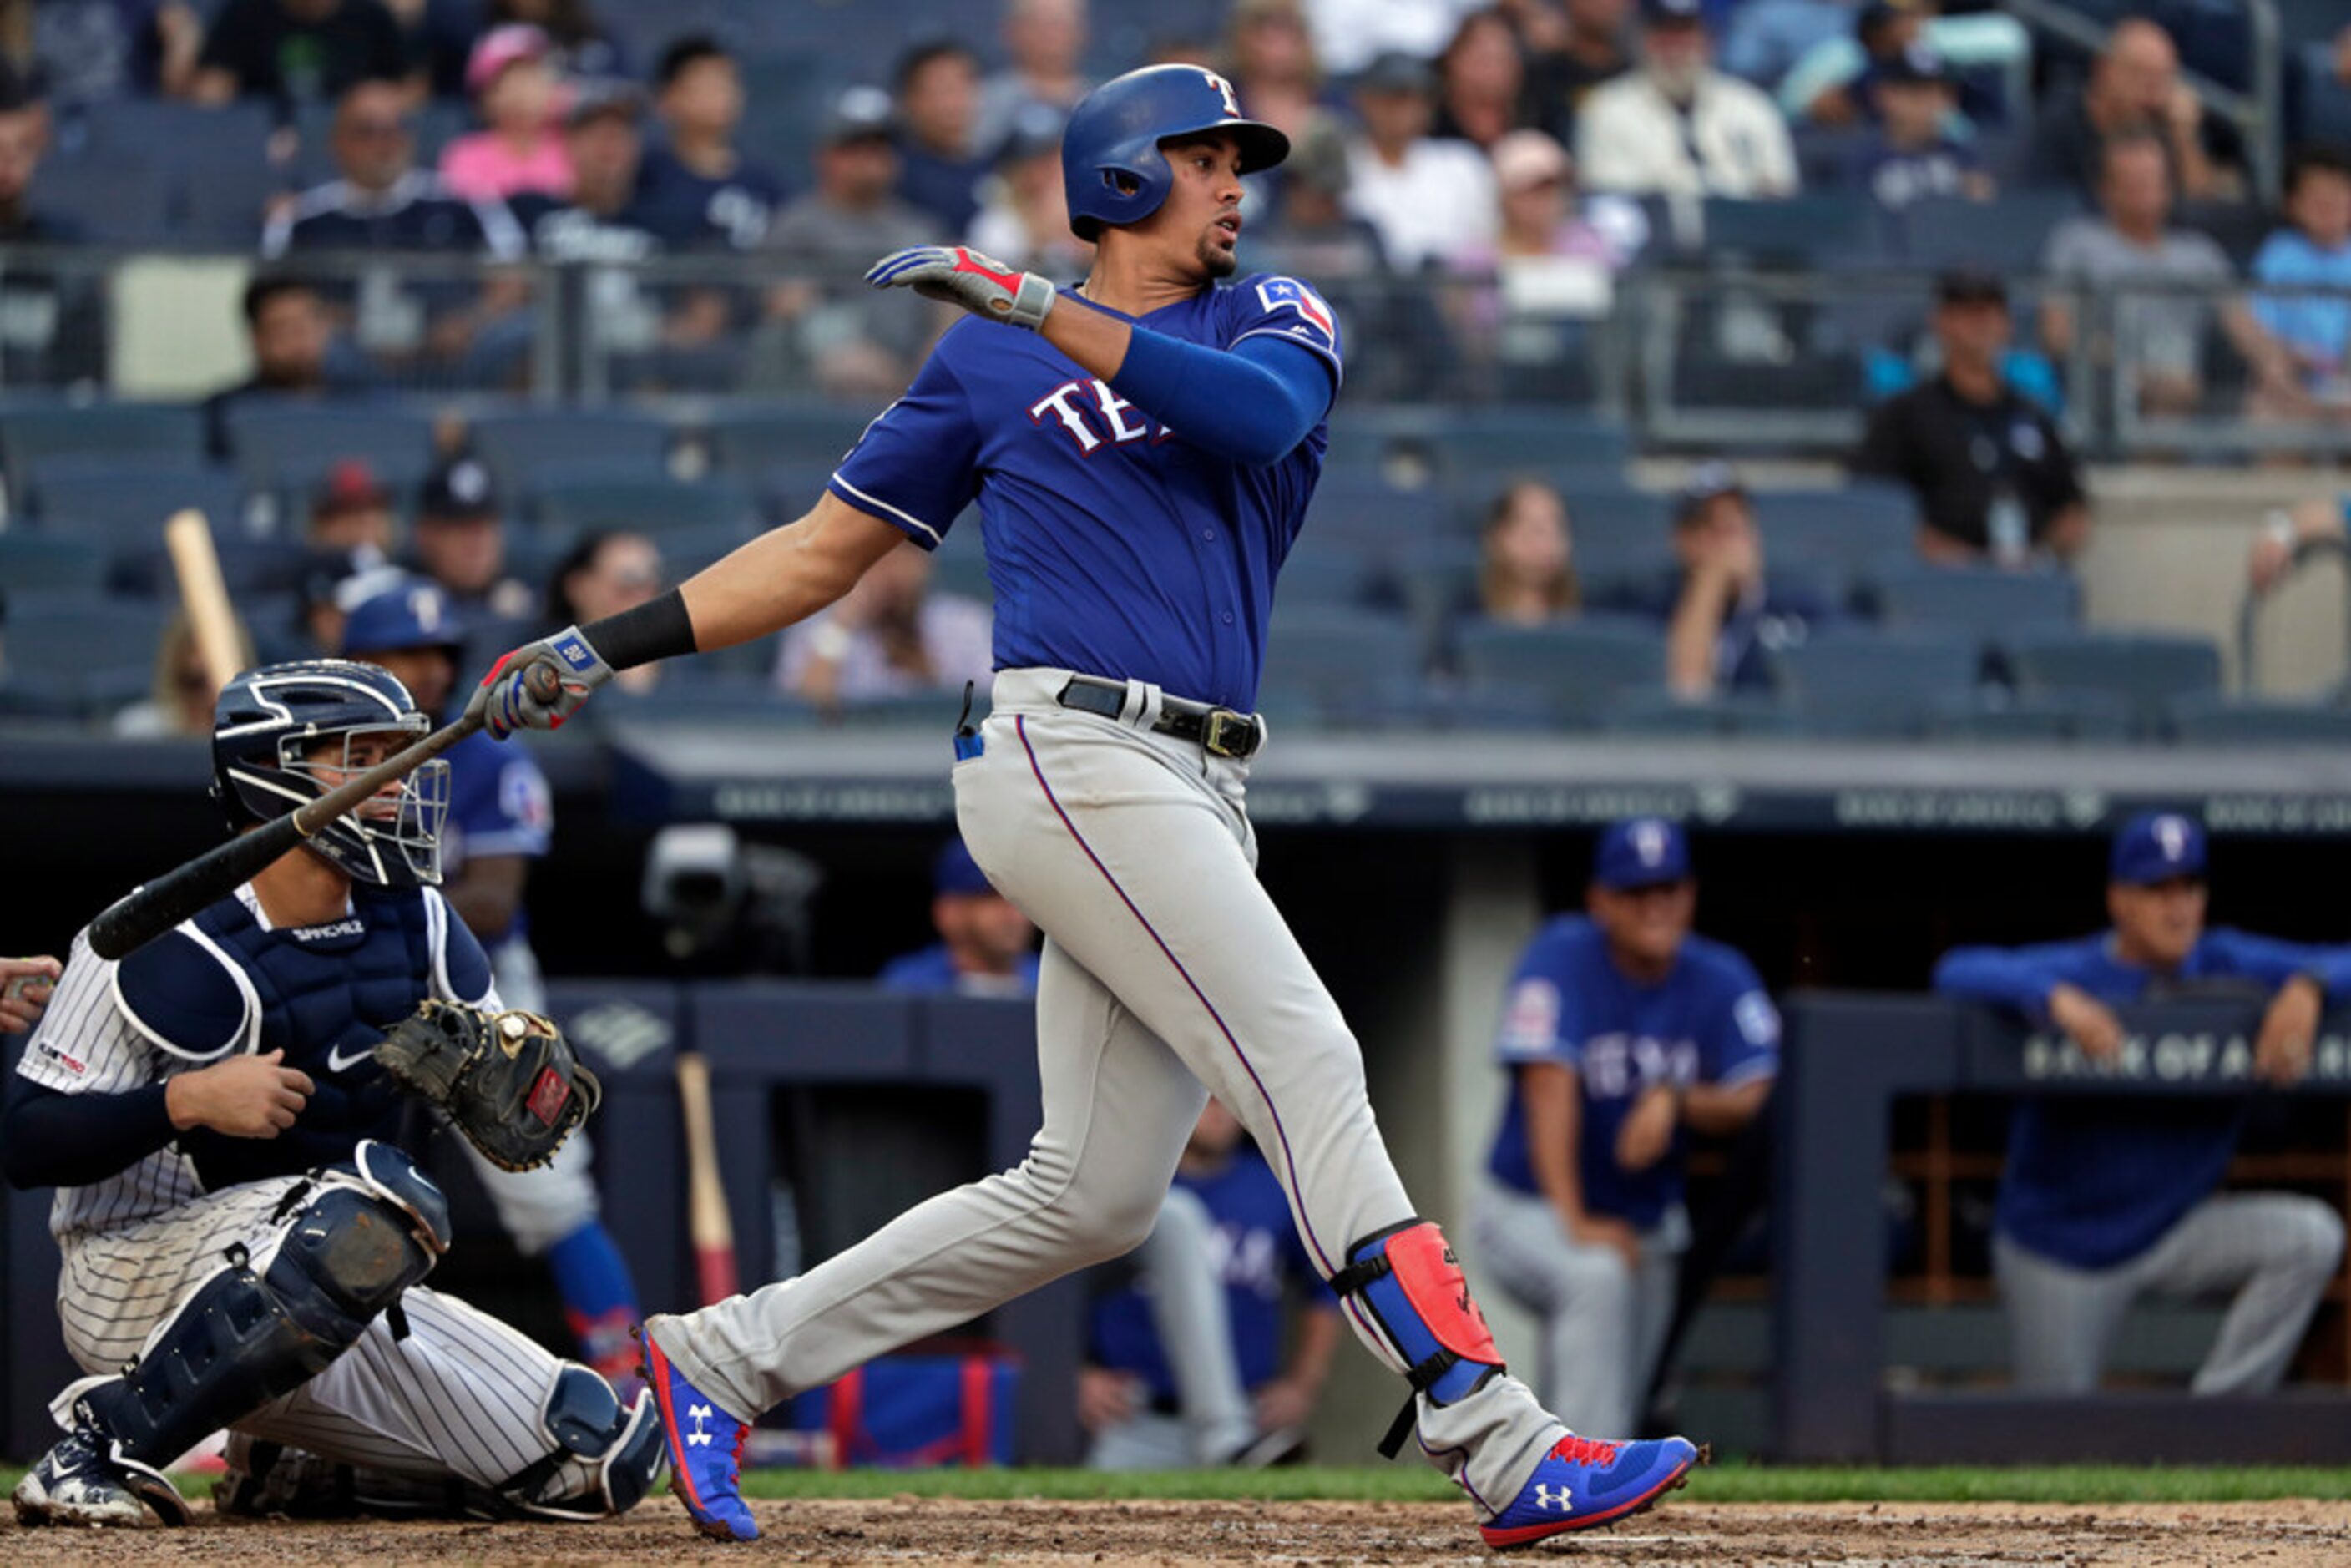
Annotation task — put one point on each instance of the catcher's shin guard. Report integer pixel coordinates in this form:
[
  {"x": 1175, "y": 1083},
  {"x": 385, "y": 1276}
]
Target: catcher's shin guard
[
  {"x": 1407, "y": 1278},
  {"x": 605, "y": 1456},
  {"x": 247, "y": 1336}
]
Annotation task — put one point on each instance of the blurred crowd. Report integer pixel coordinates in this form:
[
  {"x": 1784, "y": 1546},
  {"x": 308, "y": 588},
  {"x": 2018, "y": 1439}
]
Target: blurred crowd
[{"x": 1526, "y": 145}]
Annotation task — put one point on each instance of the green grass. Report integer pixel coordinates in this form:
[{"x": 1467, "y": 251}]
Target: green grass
[
  {"x": 1732, "y": 1482},
  {"x": 1722, "y": 1483}
]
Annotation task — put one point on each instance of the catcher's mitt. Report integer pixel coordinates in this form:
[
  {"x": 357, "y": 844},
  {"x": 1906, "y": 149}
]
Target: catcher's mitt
[{"x": 509, "y": 1081}]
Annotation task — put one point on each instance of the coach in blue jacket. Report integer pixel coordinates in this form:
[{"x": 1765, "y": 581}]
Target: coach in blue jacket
[{"x": 2104, "y": 1199}]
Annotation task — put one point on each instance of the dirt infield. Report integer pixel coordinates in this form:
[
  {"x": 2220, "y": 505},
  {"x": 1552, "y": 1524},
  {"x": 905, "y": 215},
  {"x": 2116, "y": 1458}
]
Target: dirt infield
[{"x": 2280, "y": 1534}]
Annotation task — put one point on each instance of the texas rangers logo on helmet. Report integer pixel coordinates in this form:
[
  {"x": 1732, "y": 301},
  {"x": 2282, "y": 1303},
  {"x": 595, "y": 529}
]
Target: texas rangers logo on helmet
[{"x": 1225, "y": 90}]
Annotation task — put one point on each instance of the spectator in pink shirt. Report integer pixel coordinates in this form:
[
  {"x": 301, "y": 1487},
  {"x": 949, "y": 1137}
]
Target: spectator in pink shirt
[{"x": 522, "y": 150}]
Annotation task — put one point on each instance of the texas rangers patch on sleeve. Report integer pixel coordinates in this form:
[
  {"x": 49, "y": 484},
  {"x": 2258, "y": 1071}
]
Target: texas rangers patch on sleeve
[
  {"x": 1309, "y": 318},
  {"x": 1530, "y": 1019}
]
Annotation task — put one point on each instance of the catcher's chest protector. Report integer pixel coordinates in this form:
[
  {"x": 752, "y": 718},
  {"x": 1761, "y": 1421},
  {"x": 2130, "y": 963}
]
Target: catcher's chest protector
[{"x": 327, "y": 991}]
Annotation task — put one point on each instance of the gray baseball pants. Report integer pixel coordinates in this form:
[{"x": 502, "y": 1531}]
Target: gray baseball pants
[
  {"x": 1195, "y": 1325},
  {"x": 1166, "y": 966},
  {"x": 1604, "y": 1320},
  {"x": 2276, "y": 1252}
]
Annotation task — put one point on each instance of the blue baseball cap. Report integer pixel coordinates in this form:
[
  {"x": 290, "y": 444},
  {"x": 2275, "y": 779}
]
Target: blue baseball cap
[
  {"x": 1640, "y": 852},
  {"x": 413, "y": 612},
  {"x": 2156, "y": 846},
  {"x": 955, "y": 874}
]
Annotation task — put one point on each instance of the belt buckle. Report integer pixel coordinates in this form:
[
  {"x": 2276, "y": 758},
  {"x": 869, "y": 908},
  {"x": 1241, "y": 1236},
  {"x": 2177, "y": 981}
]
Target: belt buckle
[{"x": 1224, "y": 733}]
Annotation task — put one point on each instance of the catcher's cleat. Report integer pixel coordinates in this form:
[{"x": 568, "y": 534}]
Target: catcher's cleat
[
  {"x": 1583, "y": 1482},
  {"x": 706, "y": 1450},
  {"x": 85, "y": 1481}
]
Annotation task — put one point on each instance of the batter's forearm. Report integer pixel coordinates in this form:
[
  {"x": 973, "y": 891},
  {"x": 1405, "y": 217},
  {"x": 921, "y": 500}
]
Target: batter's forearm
[
  {"x": 1097, "y": 340},
  {"x": 784, "y": 576}
]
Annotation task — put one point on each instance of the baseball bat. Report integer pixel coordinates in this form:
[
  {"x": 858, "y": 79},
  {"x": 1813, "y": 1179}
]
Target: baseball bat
[
  {"x": 203, "y": 593},
  {"x": 148, "y": 911},
  {"x": 712, "y": 1232}
]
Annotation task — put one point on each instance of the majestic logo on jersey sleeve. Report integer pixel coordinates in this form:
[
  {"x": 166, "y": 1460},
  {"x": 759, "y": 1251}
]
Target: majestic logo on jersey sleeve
[{"x": 1279, "y": 293}]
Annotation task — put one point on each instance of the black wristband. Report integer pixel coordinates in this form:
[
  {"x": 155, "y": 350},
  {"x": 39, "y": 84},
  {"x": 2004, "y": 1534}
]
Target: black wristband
[{"x": 657, "y": 628}]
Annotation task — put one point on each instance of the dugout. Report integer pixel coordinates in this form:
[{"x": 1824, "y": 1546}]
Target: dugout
[{"x": 1412, "y": 871}]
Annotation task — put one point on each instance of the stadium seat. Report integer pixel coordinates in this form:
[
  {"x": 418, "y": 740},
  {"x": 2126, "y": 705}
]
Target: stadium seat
[
  {"x": 2144, "y": 671},
  {"x": 1993, "y": 714},
  {"x": 2215, "y": 720},
  {"x": 1857, "y": 682},
  {"x": 526, "y": 448},
  {"x": 1375, "y": 515},
  {"x": 1662, "y": 715},
  {"x": 49, "y": 565},
  {"x": 1581, "y": 668},
  {"x": 110, "y": 198},
  {"x": 1622, "y": 547},
  {"x": 1838, "y": 535},
  {"x": 2326, "y": 101},
  {"x": 80, "y": 658},
  {"x": 1984, "y": 601},
  {"x": 292, "y": 445},
  {"x": 1487, "y": 444},
  {"x": 753, "y": 441},
  {"x": 1339, "y": 659},
  {"x": 1813, "y": 232},
  {"x": 647, "y": 506},
  {"x": 2009, "y": 235},
  {"x": 29, "y": 436},
  {"x": 123, "y": 504}
]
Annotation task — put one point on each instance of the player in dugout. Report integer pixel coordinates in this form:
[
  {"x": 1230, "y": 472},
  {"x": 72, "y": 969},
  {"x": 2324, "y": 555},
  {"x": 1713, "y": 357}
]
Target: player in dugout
[
  {"x": 2107, "y": 1199},
  {"x": 1623, "y": 1033}
]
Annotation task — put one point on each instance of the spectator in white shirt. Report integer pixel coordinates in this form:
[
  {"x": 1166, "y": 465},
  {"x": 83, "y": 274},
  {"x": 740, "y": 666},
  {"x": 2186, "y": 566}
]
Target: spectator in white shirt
[
  {"x": 1351, "y": 33},
  {"x": 1679, "y": 126},
  {"x": 1429, "y": 199},
  {"x": 1045, "y": 41}
]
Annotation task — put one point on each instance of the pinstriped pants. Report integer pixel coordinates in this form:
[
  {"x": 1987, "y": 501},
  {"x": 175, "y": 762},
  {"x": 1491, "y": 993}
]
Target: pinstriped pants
[
  {"x": 2274, "y": 1252},
  {"x": 463, "y": 1395},
  {"x": 1166, "y": 966}
]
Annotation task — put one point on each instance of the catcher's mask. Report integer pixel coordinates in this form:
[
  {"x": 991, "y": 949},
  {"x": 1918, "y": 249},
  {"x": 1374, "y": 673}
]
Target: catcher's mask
[{"x": 278, "y": 730}]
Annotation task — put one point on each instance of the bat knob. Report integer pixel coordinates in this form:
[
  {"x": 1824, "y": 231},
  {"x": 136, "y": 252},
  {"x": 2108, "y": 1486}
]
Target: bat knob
[{"x": 543, "y": 683}]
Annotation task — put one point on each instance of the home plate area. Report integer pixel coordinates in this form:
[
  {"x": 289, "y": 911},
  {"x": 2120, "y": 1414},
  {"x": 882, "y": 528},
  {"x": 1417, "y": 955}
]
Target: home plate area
[{"x": 2276, "y": 1534}]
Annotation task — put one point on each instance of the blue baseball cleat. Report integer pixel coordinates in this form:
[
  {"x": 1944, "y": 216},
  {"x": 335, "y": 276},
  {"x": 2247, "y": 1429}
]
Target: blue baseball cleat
[
  {"x": 1583, "y": 1482},
  {"x": 706, "y": 1451}
]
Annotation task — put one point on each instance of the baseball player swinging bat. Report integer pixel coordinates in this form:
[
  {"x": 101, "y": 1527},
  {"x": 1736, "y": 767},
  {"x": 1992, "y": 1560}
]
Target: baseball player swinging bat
[{"x": 148, "y": 911}]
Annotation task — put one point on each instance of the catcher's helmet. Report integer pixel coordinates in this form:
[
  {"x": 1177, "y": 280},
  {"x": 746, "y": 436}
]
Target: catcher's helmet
[
  {"x": 268, "y": 723},
  {"x": 1111, "y": 169}
]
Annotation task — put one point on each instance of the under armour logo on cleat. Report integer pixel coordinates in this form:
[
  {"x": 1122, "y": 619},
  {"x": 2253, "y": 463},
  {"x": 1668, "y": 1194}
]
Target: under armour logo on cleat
[
  {"x": 1546, "y": 1497},
  {"x": 698, "y": 1439}
]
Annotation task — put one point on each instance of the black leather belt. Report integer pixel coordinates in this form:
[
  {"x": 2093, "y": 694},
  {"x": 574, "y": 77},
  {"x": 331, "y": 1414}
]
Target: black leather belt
[{"x": 1218, "y": 731}]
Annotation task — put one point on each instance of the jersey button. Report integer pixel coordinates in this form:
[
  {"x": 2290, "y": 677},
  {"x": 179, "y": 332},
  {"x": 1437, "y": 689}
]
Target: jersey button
[
  {"x": 1208, "y": 535},
  {"x": 1227, "y": 617}
]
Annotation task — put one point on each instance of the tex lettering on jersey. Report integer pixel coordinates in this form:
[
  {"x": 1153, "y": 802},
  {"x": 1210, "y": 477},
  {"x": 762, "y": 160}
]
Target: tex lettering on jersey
[{"x": 1093, "y": 416}]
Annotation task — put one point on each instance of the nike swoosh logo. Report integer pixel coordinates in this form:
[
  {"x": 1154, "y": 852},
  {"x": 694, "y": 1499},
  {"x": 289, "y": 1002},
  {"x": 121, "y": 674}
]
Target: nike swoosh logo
[{"x": 336, "y": 1061}]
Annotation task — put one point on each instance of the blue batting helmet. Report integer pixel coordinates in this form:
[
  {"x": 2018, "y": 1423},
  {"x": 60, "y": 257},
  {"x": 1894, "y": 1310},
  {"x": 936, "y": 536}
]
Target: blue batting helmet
[
  {"x": 266, "y": 728},
  {"x": 1111, "y": 169}
]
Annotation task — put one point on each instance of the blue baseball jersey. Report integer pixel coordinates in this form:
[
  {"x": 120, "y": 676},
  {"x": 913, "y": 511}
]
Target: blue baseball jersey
[
  {"x": 1708, "y": 1020},
  {"x": 2094, "y": 1182},
  {"x": 691, "y": 211},
  {"x": 498, "y": 805},
  {"x": 932, "y": 971},
  {"x": 1261, "y": 1261},
  {"x": 1114, "y": 547}
]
